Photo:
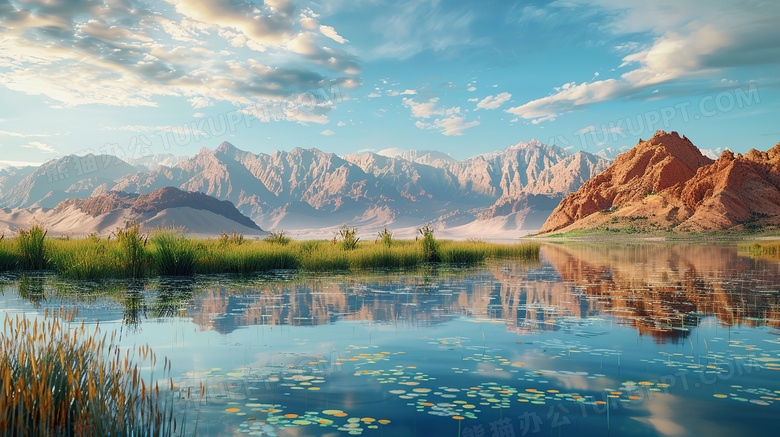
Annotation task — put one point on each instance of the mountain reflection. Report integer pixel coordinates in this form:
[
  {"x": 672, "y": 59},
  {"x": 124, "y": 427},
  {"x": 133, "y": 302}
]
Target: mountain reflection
[{"x": 661, "y": 290}]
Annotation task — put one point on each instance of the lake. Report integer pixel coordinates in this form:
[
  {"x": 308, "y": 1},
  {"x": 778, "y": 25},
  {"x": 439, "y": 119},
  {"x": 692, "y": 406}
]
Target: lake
[{"x": 623, "y": 340}]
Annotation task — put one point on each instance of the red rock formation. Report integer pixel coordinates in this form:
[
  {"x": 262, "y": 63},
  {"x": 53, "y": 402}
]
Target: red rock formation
[{"x": 668, "y": 182}]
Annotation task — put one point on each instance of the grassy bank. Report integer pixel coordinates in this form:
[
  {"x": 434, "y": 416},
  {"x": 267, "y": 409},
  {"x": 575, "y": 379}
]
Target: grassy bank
[{"x": 132, "y": 254}]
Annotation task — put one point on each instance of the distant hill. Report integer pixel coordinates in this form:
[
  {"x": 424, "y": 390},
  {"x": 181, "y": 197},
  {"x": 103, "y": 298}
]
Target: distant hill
[
  {"x": 666, "y": 183},
  {"x": 165, "y": 207}
]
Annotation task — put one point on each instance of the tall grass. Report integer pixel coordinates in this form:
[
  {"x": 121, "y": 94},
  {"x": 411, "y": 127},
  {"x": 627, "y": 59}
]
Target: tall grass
[
  {"x": 429, "y": 245},
  {"x": 8, "y": 256},
  {"x": 32, "y": 247},
  {"x": 57, "y": 381},
  {"x": 86, "y": 259},
  {"x": 347, "y": 238},
  {"x": 132, "y": 247},
  {"x": 385, "y": 237},
  {"x": 278, "y": 237},
  {"x": 171, "y": 252}
]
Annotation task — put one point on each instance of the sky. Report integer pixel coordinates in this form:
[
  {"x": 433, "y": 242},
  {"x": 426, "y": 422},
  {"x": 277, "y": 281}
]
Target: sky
[{"x": 134, "y": 78}]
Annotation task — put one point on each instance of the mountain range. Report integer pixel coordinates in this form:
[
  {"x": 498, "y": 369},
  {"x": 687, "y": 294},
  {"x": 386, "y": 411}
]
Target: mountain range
[{"x": 513, "y": 189}]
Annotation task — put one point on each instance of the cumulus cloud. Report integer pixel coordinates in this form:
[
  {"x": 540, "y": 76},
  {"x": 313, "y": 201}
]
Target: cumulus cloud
[
  {"x": 693, "y": 40},
  {"x": 104, "y": 52},
  {"x": 493, "y": 102},
  {"x": 271, "y": 26},
  {"x": 331, "y": 33},
  {"x": 450, "y": 122},
  {"x": 327, "y": 132}
]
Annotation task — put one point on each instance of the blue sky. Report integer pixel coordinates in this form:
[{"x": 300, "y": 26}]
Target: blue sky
[{"x": 462, "y": 77}]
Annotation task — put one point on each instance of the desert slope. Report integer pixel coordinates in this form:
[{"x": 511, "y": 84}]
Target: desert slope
[{"x": 666, "y": 183}]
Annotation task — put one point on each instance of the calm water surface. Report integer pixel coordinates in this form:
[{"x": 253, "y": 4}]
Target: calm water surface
[{"x": 640, "y": 340}]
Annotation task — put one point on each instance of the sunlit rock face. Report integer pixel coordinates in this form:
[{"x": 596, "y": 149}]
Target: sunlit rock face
[{"x": 667, "y": 183}]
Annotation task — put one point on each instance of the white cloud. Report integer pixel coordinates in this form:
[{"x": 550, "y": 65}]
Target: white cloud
[
  {"x": 428, "y": 109},
  {"x": 39, "y": 146},
  {"x": 264, "y": 28},
  {"x": 198, "y": 115},
  {"x": 693, "y": 40},
  {"x": 331, "y": 33},
  {"x": 451, "y": 126},
  {"x": 200, "y": 102},
  {"x": 451, "y": 123},
  {"x": 366, "y": 150},
  {"x": 374, "y": 95},
  {"x": 340, "y": 124},
  {"x": 21, "y": 135},
  {"x": 327, "y": 132},
  {"x": 309, "y": 23},
  {"x": 394, "y": 93},
  {"x": 493, "y": 102},
  {"x": 120, "y": 56},
  {"x": 391, "y": 152}
]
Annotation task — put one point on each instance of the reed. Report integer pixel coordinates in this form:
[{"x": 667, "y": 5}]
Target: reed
[
  {"x": 87, "y": 259},
  {"x": 173, "y": 253},
  {"x": 429, "y": 245},
  {"x": 32, "y": 247},
  {"x": 132, "y": 248},
  {"x": 278, "y": 237},
  {"x": 75, "y": 382}
]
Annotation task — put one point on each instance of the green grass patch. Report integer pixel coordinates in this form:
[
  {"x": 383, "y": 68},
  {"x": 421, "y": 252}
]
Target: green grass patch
[{"x": 170, "y": 252}]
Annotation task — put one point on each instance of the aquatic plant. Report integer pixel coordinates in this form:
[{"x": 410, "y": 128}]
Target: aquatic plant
[
  {"x": 428, "y": 244},
  {"x": 132, "y": 245},
  {"x": 385, "y": 237},
  {"x": 347, "y": 238},
  {"x": 234, "y": 238},
  {"x": 173, "y": 253},
  {"x": 277, "y": 237},
  {"x": 32, "y": 247}
]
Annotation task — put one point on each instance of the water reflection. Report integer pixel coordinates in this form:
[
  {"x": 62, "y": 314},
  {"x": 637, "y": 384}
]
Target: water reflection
[
  {"x": 283, "y": 353},
  {"x": 664, "y": 290},
  {"x": 660, "y": 290}
]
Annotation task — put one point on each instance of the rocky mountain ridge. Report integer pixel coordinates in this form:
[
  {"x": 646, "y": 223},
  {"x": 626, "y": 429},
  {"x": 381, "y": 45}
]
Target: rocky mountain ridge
[
  {"x": 308, "y": 188},
  {"x": 667, "y": 183}
]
